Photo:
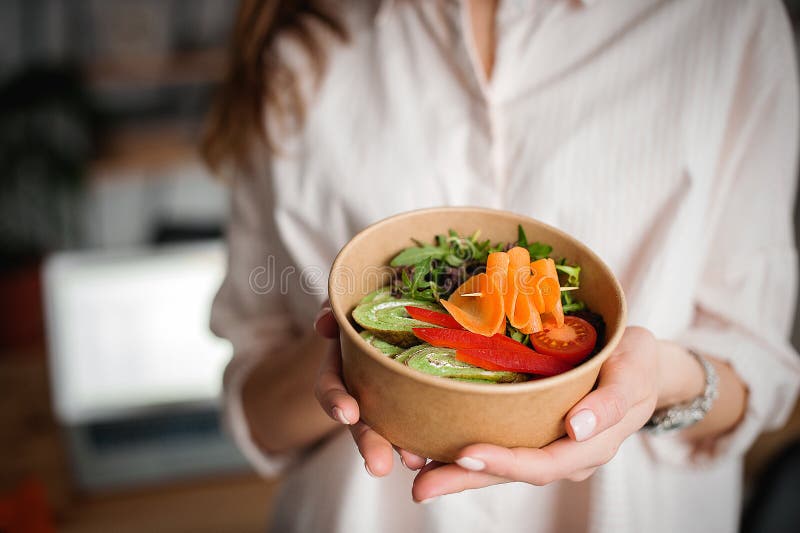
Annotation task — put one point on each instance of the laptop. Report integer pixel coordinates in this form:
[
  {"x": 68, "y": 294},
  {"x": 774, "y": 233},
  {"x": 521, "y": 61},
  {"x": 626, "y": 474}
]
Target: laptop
[{"x": 136, "y": 373}]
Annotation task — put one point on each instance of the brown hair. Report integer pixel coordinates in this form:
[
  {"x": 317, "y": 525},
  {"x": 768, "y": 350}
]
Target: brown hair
[{"x": 257, "y": 82}]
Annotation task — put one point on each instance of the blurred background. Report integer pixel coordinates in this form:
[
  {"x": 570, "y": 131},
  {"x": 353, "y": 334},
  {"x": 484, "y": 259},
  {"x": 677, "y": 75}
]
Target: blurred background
[{"x": 110, "y": 253}]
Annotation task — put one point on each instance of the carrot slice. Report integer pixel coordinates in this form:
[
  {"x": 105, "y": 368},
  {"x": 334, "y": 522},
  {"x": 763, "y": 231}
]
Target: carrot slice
[
  {"x": 536, "y": 293},
  {"x": 544, "y": 267},
  {"x": 534, "y": 321},
  {"x": 558, "y": 313},
  {"x": 482, "y": 314},
  {"x": 551, "y": 291},
  {"x": 518, "y": 274},
  {"x": 519, "y": 303},
  {"x": 497, "y": 269}
]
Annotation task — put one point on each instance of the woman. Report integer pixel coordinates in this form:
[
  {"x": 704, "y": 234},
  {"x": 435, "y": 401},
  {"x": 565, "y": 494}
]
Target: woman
[{"x": 660, "y": 133}]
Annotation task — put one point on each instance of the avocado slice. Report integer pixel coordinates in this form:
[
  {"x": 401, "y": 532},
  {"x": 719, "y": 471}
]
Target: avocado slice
[
  {"x": 385, "y": 317},
  {"x": 383, "y": 346},
  {"x": 378, "y": 295},
  {"x": 442, "y": 362}
]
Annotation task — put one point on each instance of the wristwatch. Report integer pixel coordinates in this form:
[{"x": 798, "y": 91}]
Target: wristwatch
[{"x": 686, "y": 414}]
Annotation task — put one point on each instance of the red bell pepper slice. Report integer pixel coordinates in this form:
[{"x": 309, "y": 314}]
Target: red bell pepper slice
[
  {"x": 477, "y": 361},
  {"x": 518, "y": 362},
  {"x": 503, "y": 351},
  {"x": 461, "y": 338},
  {"x": 432, "y": 317}
]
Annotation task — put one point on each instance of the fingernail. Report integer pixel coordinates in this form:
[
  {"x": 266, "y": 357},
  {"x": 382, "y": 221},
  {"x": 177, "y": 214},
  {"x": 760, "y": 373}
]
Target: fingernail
[
  {"x": 366, "y": 466},
  {"x": 338, "y": 414},
  {"x": 322, "y": 312},
  {"x": 429, "y": 500},
  {"x": 583, "y": 424},
  {"x": 470, "y": 463},
  {"x": 404, "y": 463}
]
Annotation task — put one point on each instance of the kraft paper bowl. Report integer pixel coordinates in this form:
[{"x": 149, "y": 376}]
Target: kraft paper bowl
[{"x": 436, "y": 417}]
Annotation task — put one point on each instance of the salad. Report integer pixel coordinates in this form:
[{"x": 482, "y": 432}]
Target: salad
[{"x": 469, "y": 310}]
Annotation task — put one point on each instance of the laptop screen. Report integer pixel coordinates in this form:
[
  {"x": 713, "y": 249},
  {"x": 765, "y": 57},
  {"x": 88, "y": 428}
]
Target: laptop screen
[{"x": 128, "y": 331}]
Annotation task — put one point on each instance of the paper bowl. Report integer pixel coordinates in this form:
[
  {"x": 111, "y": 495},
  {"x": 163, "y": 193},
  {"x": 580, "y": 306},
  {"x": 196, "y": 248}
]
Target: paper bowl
[{"x": 435, "y": 417}]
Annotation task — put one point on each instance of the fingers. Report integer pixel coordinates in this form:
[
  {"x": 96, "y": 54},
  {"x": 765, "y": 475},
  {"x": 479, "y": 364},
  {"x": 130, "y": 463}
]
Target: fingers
[
  {"x": 563, "y": 459},
  {"x": 600, "y": 410},
  {"x": 582, "y": 475},
  {"x": 532, "y": 465},
  {"x": 410, "y": 460},
  {"x": 325, "y": 323},
  {"x": 626, "y": 378},
  {"x": 376, "y": 451},
  {"x": 597, "y": 426},
  {"x": 436, "y": 479},
  {"x": 330, "y": 391},
  {"x": 431, "y": 466},
  {"x": 337, "y": 402}
]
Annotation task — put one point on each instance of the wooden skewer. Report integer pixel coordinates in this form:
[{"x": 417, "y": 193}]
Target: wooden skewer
[{"x": 479, "y": 294}]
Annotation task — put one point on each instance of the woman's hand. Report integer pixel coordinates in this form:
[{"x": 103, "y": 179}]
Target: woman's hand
[
  {"x": 343, "y": 408},
  {"x": 625, "y": 398},
  {"x": 642, "y": 374}
]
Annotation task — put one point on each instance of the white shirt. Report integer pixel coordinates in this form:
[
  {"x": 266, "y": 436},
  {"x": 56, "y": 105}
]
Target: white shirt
[{"x": 662, "y": 134}]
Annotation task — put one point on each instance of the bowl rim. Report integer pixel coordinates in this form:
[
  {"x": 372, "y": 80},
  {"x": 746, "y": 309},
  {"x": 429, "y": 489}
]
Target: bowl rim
[{"x": 347, "y": 328}]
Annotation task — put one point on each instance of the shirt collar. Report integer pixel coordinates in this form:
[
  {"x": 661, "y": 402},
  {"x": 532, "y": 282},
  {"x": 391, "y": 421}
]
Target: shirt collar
[{"x": 386, "y": 5}]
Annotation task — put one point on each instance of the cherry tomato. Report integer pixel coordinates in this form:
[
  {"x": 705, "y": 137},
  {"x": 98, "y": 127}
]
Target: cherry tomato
[{"x": 572, "y": 342}]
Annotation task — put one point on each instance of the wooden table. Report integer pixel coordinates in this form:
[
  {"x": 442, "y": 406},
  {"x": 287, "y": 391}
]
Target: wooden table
[{"x": 31, "y": 446}]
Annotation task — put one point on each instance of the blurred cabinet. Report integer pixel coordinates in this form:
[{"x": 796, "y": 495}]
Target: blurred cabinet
[{"x": 136, "y": 196}]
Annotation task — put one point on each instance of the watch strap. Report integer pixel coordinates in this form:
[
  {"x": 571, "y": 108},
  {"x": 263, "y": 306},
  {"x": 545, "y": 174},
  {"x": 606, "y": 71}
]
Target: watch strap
[{"x": 688, "y": 413}]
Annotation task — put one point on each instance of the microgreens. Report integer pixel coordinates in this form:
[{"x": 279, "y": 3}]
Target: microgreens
[
  {"x": 430, "y": 272},
  {"x": 517, "y": 335},
  {"x": 536, "y": 249}
]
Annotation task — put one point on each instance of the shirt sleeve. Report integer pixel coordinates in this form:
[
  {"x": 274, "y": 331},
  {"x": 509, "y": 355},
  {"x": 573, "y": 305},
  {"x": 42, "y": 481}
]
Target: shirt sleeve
[
  {"x": 250, "y": 308},
  {"x": 745, "y": 298}
]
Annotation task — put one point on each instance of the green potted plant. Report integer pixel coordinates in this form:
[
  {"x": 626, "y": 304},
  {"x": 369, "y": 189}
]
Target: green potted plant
[{"x": 48, "y": 127}]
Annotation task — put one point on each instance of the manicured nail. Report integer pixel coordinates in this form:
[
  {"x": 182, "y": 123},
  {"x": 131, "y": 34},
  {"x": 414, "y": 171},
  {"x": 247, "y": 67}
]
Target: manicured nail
[
  {"x": 338, "y": 414},
  {"x": 583, "y": 424},
  {"x": 429, "y": 500},
  {"x": 322, "y": 312},
  {"x": 366, "y": 466},
  {"x": 470, "y": 463}
]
